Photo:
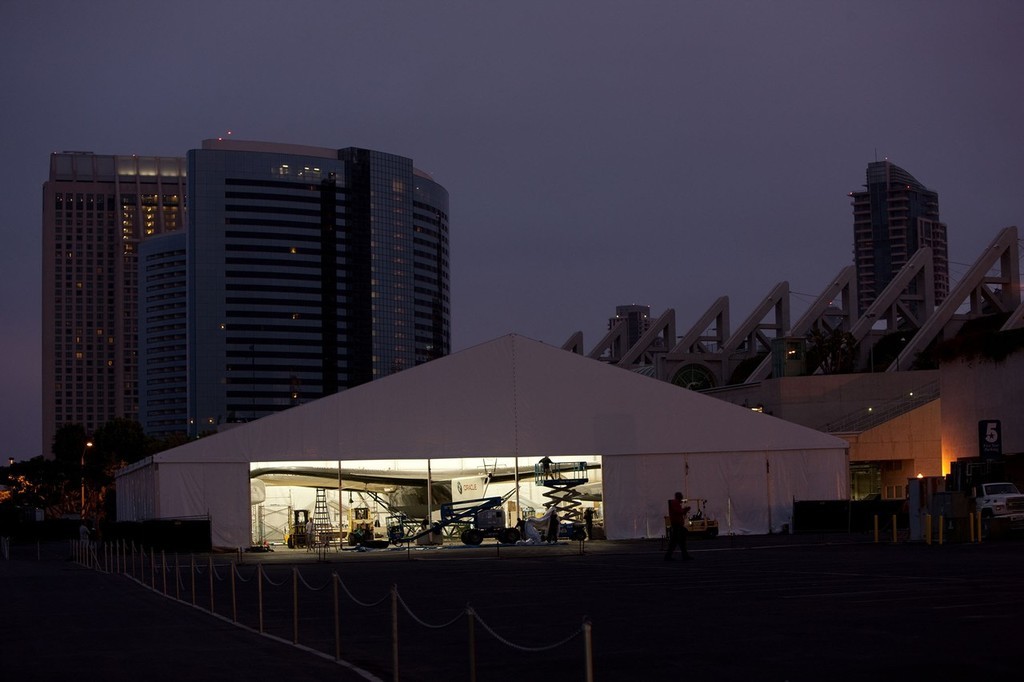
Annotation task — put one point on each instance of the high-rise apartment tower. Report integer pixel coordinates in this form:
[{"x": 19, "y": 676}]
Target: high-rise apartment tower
[
  {"x": 893, "y": 217},
  {"x": 96, "y": 211}
]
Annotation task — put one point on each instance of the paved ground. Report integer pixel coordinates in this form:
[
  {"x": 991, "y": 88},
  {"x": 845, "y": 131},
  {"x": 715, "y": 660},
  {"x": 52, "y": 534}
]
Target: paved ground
[{"x": 764, "y": 608}]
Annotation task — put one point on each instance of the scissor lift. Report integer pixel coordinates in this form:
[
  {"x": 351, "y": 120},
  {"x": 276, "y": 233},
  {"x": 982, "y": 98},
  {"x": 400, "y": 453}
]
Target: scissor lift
[{"x": 562, "y": 479}]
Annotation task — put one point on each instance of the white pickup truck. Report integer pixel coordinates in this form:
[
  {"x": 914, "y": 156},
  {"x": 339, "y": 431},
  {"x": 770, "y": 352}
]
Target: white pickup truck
[{"x": 999, "y": 501}]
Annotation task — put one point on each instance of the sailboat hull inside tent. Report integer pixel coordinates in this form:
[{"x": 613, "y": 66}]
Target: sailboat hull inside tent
[{"x": 516, "y": 400}]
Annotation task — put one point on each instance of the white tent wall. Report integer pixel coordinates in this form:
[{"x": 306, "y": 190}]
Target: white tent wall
[
  {"x": 803, "y": 475},
  {"x": 514, "y": 397},
  {"x": 136, "y": 492},
  {"x": 748, "y": 492},
  {"x": 218, "y": 490}
]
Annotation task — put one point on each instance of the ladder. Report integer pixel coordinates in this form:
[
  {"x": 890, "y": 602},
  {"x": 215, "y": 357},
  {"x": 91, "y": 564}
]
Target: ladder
[{"x": 321, "y": 522}]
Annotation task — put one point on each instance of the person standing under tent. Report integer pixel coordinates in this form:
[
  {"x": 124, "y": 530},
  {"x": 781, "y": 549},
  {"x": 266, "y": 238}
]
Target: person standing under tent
[
  {"x": 677, "y": 527},
  {"x": 552, "y": 534}
]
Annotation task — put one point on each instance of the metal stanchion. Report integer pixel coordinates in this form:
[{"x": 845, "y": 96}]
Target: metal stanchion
[
  {"x": 163, "y": 573},
  {"x": 876, "y": 529},
  {"x": 970, "y": 523},
  {"x": 234, "y": 599},
  {"x": 941, "y": 529},
  {"x": 192, "y": 573},
  {"x": 894, "y": 538},
  {"x": 928, "y": 529}
]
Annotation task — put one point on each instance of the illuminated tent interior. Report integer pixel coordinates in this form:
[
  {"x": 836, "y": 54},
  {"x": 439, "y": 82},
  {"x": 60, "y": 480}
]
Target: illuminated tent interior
[{"x": 476, "y": 414}]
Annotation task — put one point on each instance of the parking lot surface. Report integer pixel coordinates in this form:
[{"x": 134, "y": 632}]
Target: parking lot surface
[{"x": 779, "y": 608}]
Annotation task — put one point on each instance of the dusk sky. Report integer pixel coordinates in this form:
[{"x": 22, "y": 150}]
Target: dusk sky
[{"x": 596, "y": 153}]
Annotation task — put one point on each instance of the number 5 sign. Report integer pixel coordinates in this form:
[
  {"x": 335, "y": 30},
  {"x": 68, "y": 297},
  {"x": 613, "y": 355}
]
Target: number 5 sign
[{"x": 990, "y": 439}]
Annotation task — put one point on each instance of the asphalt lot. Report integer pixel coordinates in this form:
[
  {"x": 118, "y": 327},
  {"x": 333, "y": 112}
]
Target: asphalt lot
[{"x": 779, "y": 608}]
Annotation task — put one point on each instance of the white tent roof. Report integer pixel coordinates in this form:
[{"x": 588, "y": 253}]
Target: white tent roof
[{"x": 509, "y": 397}]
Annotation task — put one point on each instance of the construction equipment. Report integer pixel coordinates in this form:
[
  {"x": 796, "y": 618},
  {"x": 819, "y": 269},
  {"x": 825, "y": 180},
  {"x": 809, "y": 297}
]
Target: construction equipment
[
  {"x": 564, "y": 479},
  {"x": 296, "y": 535},
  {"x": 480, "y": 518},
  {"x": 700, "y": 522}
]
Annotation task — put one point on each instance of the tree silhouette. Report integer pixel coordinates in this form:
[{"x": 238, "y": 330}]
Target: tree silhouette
[{"x": 833, "y": 351}]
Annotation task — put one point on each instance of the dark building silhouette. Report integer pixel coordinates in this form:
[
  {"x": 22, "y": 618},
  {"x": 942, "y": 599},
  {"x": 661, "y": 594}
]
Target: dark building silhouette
[
  {"x": 310, "y": 270},
  {"x": 893, "y": 217}
]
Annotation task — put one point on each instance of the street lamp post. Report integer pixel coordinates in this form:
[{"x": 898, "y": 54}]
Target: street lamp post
[{"x": 81, "y": 471}]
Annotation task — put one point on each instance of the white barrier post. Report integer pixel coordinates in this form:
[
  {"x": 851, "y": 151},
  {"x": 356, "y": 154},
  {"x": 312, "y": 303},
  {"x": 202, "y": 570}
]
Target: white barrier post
[
  {"x": 588, "y": 649},
  {"x": 210, "y": 568},
  {"x": 295, "y": 605},
  {"x": 394, "y": 630},
  {"x": 337, "y": 622},
  {"x": 471, "y": 617},
  {"x": 259, "y": 583}
]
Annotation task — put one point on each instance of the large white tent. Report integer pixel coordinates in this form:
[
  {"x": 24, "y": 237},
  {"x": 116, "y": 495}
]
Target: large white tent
[{"x": 515, "y": 398}]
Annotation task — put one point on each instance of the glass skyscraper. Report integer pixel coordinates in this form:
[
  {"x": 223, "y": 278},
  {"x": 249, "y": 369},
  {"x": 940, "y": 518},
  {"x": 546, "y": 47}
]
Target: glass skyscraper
[
  {"x": 309, "y": 271},
  {"x": 893, "y": 217}
]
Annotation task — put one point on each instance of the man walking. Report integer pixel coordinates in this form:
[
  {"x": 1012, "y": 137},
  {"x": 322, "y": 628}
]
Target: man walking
[{"x": 677, "y": 527}]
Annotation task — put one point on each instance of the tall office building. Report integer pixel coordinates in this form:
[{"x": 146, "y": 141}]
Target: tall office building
[
  {"x": 163, "y": 359},
  {"x": 893, "y": 217},
  {"x": 637, "y": 319},
  {"x": 96, "y": 212},
  {"x": 309, "y": 271}
]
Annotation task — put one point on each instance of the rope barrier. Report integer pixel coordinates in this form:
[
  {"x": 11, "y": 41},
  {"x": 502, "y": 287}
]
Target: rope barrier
[
  {"x": 271, "y": 582},
  {"x": 238, "y": 575},
  {"x": 361, "y": 603},
  {"x": 415, "y": 618},
  {"x": 310, "y": 587},
  {"x": 519, "y": 647},
  {"x": 87, "y": 556}
]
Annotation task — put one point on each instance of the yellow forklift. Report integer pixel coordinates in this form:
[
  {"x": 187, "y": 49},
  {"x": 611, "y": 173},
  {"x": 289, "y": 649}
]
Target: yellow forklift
[{"x": 296, "y": 535}]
